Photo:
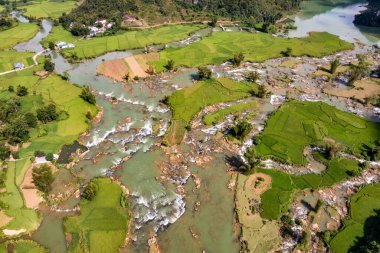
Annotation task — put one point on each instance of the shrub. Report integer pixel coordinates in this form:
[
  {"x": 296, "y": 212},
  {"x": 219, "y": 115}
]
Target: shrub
[
  {"x": 170, "y": 65},
  {"x": 21, "y": 91},
  {"x": 204, "y": 73},
  {"x": 49, "y": 157},
  {"x": 241, "y": 130},
  {"x": 90, "y": 191},
  {"x": 47, "y": 113},
  {"x": 238, "y": 59},
  {"x": 43, "y": 178},
  {"x": 4, "y": 151},
  {"x": 49, "y": 65},
  {"x": 87, "y": 95},
  {"x": 11, "y": 88}
]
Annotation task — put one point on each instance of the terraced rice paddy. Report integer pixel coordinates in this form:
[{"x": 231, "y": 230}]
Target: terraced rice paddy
[
  {"x": 218, "y": 116},
  {"x": 51, "y": 136},
  {"x": 299, "y": 124},
  {"x": 20, "y": 33},
  {"x": 103, "y": 221},
  {"x": 10, "y": 57},
  {"x": 48, "y": 9},
  {"x": 256, "y": 47},
  {"x": 188, "y": 102},
  {"x": 277, "y": 199},
  {"x": 90, "y": 48},
  {"x": 361, "y": 221}
]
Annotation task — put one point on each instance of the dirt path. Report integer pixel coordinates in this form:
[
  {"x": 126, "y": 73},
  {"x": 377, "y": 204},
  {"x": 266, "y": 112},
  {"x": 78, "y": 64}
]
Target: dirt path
[
  {"x": 31, "y": 197},
  {"x": 135, "y": 67}
]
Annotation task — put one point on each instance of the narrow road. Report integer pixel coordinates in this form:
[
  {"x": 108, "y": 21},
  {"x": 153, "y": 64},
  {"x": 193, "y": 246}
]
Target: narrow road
[{"x": 34, "y": 60}]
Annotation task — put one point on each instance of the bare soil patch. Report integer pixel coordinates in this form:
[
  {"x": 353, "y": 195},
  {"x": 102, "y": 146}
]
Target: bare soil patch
[
  {"x": 361, "y": 90},
  {"x": 4, "y": 219},
  {"x": 258, "y": 183},
  {"x": 29, "y": 191},
  {"x": 114, "y": 69}
]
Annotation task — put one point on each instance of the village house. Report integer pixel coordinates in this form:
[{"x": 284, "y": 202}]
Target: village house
[
  {"x": 63, "y": 45},
  {"x": 19, "y": 65}
]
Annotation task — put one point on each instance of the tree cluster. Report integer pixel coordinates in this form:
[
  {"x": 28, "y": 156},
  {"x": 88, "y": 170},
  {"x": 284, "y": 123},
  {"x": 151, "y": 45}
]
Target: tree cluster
[
  {"x": 43, "y": 178},
  {"x": 87, "y": 95}
]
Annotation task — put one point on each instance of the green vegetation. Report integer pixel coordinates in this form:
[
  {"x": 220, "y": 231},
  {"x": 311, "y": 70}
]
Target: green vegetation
[
  {"x": 43, "y": 178},
  {"x": 20, "y": 33},
  {"x": 103, "y": 221},
  {"x": 369, "y": 16},
  {"x": 22, "y": 246},
  {"x": 240, "y": 131},
  {"x": 257, "y": 47},
  {"x": 299, "y": 124},
  {"x": 23, "y": 218},
  {"x": 10, "y": 57},
  {"x": 188, "y": 102},
  {"x": 48, "y": 9},
  {"x": 218, "y": 116},
  {"x": 276, "y": 200},
  {"x": 361, "y": 228},
  {"x": 71, "y": 109},
  {"x": 123, "y": 40}
]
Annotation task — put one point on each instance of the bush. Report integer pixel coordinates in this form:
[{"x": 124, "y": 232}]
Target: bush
[
  {"x": 170, "y": 65},
  {"x": 30, "y": 119},
  {"x": 21, "y": 91},
  {"x": 90, "y": 191},
  {"x": 4, "y": 152},
  {"x": 49, "y": 157},
  {"x": 39, "y": 153},
  {"x": 47, "y": 113},
  {"x": 11, "y": 88},
  {"x": 49, "y": 65},
  {"x": 238, "y": 59},
  {"x": 43, "y": 178},
  {"x": 241, "y": 130},
  {"x": 87, "y": 95},
  {"x": 204, "y": 73}
]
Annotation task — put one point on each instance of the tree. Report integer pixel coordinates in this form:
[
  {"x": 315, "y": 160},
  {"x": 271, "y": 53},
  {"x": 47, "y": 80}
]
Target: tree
[
  {"x": 262, "y": 91},
  {"x": 334, "y": 66},
  {"x": 204, "y": 72},
  {"x": 126, "y": 77},
  {"x": 21, "y": 91},
  {"x": 241, "y": 130},
  {"x": 332, "y": 150},
  {"x": 47, "y": 113},
  {"x": 170, "y": 65},
  {"x": 11, "y": 88},
  {"x": 42, "y": 178},
  {"x": 49, "y": 157},
  {"x": 90, "y": 191},
  {"x": 87, "y": 95},
  {"x": 253, "y": 76},
  {"x": 30, "y": 119},
  {"x": 214, "y": 21},
  {"x": 238, "y": 59},
  {"x": 51, "y": 45},
  {"x": 355, "y": 74},
  {"x": 288, "y": 52},
  {"x": 4, "y": 152},
  {"x": 16, "y": 130},
  {"x": 49, "y": 65}
]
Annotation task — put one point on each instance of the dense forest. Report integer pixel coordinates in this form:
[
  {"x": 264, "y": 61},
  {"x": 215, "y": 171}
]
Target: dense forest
[
  {"x": 159, "y": 11},
  {"x": 371, "y": 16}
]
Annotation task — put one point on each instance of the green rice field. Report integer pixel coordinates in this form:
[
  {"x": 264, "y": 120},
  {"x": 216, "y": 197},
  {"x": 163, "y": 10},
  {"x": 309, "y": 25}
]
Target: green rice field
[
  {"x": 22, "y": 246},
  {"x": 20, "y": 33},
  {"x": 48, "y": 9},
  {"x": 220, "y": 115},
  {"x": 299, "y": 124},
  {"x": 276, "y": 200},
  {"x": 10, "y": 57},
  {"x": 102, "y": 223},
  {"x": 188, "y": 102},
  {"x": 89, "y": 48},
  {"x": 362, "y": 206},
  {"x": 256, "y": 47},
  {"x": 51, "y": 136}
]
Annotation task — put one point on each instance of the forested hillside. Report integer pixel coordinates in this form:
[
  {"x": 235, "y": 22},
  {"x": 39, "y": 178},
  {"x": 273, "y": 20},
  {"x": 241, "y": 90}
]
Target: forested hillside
[
  {"x": 371, "y": 16},
  {"x": 159, "y": 11}
]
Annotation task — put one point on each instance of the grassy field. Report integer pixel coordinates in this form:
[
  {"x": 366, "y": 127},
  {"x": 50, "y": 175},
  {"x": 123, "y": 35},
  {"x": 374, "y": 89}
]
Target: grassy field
[
  {"x": 299, "y": 124},
  {"x": 10, "y": 57},
  {"x": 362, "y": 206},
  {"x": 258, "y": 47},
  {"x": 220, "y": 115},
  {"x": 51, "y": 136},
  {"x": 277, "y": 199},
  {"x": 23, "y": 218},
  {"x": 188, "y": 102},
  {"x": 48, "y": 9},
  {"x": 20, "y": 33},
  {"x": 22, "y": 246},
  {"x": 103, "y": 222},
  {"x": 122, "y": 41}
]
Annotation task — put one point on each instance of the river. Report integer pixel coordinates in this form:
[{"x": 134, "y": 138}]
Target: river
[{"x": 125, "y": 144}]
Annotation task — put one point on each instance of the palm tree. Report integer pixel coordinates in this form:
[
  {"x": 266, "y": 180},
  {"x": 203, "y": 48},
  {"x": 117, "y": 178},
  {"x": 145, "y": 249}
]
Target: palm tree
[{"x": 334, "y": 66}]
